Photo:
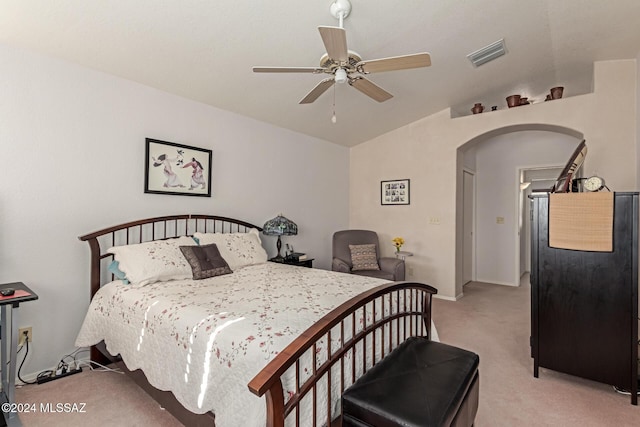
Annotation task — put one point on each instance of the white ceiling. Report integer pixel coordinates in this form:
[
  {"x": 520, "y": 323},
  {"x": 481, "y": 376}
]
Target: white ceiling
[{"x": 204, "y": 50}]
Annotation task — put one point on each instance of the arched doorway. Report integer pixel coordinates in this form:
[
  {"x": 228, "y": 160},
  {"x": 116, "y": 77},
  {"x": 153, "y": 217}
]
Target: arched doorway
[{"x": 497, "y": 159}]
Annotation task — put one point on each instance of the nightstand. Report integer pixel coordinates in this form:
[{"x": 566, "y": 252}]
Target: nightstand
[
  {"x": 9, "y": 333},
  {"x": 304, "y": 263}
]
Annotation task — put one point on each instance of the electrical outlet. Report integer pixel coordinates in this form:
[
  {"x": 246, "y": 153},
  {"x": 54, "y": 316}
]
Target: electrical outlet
[
  {"x": 21, "y": 335},
  {"x": 410, "y": 271},
  {"x": 434, "y": 220},
  {"x": 499, "y": 220}
]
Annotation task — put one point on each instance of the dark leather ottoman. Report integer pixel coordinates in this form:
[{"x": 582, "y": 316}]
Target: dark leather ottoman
[{"x": 420, "y": 383}]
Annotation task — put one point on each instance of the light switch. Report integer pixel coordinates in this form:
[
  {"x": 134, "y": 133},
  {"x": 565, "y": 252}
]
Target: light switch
[{"x": 499, "y": 220}]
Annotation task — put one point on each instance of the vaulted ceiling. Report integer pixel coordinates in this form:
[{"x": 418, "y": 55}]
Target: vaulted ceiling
[{"x": 205, "y": 50}]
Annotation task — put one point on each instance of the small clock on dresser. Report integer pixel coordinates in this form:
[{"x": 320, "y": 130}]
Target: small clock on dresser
[{"x": 594, "y": 183}]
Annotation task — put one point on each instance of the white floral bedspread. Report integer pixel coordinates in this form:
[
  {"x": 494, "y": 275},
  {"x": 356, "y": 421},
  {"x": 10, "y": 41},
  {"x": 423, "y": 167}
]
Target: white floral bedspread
[{"x": 205, "y": 340}]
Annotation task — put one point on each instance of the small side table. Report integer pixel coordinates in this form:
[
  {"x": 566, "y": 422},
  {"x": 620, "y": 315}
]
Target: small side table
[
  {"x": 303, "y": 263},
  {"x": 9, "y": 332},
  {"x": 403, "y": 254}
]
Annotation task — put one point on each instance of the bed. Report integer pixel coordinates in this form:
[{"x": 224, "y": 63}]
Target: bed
[{"x": 296, "y": 337}]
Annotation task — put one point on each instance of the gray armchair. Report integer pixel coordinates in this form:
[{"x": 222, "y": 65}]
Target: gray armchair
[{"x": 390, "y": 268}]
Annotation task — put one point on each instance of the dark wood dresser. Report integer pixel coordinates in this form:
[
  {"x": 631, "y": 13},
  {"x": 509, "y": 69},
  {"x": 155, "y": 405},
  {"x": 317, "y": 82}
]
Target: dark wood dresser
[{"x": 584, "y": 305}]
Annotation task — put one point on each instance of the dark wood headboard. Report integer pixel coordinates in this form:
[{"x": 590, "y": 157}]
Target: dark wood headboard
[{"x": 146, "y": 230}]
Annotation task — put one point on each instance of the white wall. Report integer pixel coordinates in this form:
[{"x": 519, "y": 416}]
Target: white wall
[
  {"x": 72, "y": 142},
  {"x": 469, "y": 157},
  {"x": 426, "y": 151},
  {"x": 498, "y": 161}
]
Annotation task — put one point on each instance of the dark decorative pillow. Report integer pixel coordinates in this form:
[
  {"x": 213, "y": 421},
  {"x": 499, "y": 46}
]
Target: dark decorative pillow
[
  {"x": 205, "y": 261},
  {"x": 363, "y": 257}
]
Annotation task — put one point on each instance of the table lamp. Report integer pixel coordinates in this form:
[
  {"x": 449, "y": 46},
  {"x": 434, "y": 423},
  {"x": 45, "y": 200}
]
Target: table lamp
[{"x": 279, "y": 226}]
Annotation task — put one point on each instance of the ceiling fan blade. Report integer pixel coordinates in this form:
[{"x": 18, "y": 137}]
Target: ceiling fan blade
[
  {"x": 370, "y": 89},
  {"x": 317, "y": 91},
  {"x": 335, "y": 41},
  {"x": 405, "y": 62},
  {"x": 313, "y": 70}
]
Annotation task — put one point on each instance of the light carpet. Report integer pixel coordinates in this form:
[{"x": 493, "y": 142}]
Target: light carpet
[
  {"x": 494, "y": 321},
  {"x": 491, "y": 320}
]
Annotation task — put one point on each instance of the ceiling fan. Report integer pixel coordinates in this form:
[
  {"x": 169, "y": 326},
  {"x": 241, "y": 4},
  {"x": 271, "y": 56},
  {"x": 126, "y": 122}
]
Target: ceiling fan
[{"x": 346, "y": 66}]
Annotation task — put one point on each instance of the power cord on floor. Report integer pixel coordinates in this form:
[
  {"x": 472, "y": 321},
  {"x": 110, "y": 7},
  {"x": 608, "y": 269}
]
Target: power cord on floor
[
  {"x": 623, "y": 391},
  {"x": 65, "y": 365},
  {"x": 26, "y": 343},
  {"x": 62, "y": 367},
  {"x": 89, "y": 363}
]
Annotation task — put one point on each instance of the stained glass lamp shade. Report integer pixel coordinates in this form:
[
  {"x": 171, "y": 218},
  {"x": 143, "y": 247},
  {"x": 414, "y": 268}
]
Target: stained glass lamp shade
[{"x": 279, "y": 226}]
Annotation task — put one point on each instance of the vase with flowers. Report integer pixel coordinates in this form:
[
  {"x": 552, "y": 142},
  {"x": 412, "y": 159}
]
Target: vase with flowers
[{"x": 398, "y": 242}]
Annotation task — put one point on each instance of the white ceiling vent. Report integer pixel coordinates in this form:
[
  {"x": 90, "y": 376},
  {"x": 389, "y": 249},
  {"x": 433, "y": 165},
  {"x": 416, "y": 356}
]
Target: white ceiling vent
[{"x": 487, "y": 53}]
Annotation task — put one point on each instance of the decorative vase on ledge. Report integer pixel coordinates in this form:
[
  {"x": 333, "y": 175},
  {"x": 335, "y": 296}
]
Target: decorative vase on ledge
[
  {"x": 513, "y": 101},
  {"x": 477, "y": 108},
  {"x": 556, "y": 92}
]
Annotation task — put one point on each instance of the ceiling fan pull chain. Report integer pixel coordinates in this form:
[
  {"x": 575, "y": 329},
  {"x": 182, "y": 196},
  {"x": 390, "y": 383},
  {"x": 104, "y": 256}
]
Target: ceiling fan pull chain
[{"x": 333, "y": 118}]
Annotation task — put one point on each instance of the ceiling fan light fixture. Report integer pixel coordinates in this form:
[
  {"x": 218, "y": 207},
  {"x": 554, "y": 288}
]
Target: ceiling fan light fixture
[
  {"x": 345, "y": 66},
  {"x": 487, "y": 53}
]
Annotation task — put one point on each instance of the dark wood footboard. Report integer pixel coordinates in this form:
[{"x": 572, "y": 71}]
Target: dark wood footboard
[{"x": 329, "y": 356}]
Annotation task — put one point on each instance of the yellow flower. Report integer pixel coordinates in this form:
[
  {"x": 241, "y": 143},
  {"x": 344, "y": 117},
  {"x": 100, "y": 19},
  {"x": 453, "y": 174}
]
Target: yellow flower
[{"x": 398, "y": 242}]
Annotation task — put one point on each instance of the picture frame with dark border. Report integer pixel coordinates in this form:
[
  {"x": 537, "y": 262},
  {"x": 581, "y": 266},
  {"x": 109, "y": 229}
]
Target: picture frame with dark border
[
  {"x": 395, "y": 192},
  {"x": 176, "y": 169}
]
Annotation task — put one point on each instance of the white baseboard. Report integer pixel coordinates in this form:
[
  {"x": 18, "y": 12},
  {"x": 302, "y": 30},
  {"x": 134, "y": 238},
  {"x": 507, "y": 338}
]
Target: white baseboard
[
  {"x": 30, "y": 377},
  {"x": 496, "y": 282},
  {"x": 456, "y": 298}
]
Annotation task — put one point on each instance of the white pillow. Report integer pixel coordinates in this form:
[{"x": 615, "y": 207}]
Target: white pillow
[
  {"x": 157, "y": 261},
  {"x": 238, "y": 249}
]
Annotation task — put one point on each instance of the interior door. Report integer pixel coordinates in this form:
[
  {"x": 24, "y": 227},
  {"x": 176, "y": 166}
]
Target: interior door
[{"x": 467, "y": 227}]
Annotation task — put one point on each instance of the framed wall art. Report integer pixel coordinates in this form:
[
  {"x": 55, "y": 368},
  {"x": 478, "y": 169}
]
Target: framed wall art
[
  {"x": 394, "y": 192},
  {"x": 178, "y": 169}
]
